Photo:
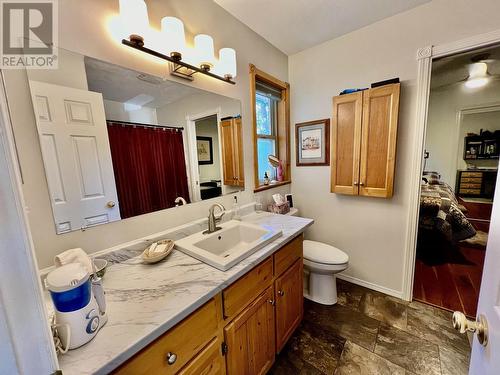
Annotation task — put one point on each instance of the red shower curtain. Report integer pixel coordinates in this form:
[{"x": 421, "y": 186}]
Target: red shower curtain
[{"x": 149, "y": 166}]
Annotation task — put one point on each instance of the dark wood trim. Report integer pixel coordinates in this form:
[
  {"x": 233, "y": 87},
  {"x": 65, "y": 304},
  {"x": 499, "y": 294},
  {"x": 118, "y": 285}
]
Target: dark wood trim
[{"x": 326, "y": 140}]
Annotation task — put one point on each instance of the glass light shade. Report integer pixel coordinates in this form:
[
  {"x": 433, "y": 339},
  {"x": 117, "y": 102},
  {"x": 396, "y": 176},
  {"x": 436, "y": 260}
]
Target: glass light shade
[
  {"x": 134, "y": 16},
  {"x": 204, "y": 47},
  {"x": 172, "y": 30},
  {"x": 227, "y": 62},
  {"x": 478, "y": 75}
]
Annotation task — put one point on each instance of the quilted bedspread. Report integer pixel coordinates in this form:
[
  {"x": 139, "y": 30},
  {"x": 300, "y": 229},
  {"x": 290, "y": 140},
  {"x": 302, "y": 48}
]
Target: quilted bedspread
[{"x": 440, "y": 211}]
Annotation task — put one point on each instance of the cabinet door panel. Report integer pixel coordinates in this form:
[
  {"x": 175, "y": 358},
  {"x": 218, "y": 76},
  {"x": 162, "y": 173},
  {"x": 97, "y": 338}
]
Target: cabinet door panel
[
  {"x": 228, "y": 160},
  {"x": 345, "y": 143},
  {"x": 238, "y": 152},
  {"x": 250, "y": 338},
  {"x": 289, "y": 303},
  {"x": 209, "y": 362},
  {"x": 378, "y": 145}
]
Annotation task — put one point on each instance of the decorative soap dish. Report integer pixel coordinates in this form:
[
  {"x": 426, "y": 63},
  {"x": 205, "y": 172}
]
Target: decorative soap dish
[{"x": 157, "y": 251}]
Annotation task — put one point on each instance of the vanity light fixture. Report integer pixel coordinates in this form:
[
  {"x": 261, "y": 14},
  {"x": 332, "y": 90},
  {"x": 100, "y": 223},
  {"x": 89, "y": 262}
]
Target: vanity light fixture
[
  {"x": 478, "y": 75},
  {"x": 184, "y": 61}
]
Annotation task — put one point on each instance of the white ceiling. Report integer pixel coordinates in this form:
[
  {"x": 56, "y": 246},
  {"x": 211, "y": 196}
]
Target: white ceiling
[
  {"x": 454, "y": 69},
  {"x": 295, "y": 25},
  {"x": 124, "y": 85}
]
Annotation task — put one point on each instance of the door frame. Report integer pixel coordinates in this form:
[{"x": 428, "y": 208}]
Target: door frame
[
  {"x": 424, "y": 57},
  {"x": 28, "y": 346},
  {"x": 194, "y": 176}
]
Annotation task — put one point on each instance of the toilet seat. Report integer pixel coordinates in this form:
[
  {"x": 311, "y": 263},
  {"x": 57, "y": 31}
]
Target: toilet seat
[{"x": 322, "y": 253}]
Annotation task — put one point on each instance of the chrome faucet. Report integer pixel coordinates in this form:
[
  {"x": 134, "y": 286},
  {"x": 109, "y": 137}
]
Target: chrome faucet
[{"x": 212, "y": 220}]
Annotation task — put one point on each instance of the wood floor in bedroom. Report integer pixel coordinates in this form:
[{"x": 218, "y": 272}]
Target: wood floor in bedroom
[{"x": 451, "y": 286}]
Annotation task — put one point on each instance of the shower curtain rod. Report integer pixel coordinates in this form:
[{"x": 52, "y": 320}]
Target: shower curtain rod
[{"x": 147, "y": 125}]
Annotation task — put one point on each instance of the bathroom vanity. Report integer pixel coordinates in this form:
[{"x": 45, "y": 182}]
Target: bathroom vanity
[
  {"x": 182, "y": 316},
  {"x": 239, "y": 330}
]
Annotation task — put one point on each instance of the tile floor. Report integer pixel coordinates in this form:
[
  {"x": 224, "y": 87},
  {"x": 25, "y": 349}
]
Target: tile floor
[{"x": 368, "y": 332}]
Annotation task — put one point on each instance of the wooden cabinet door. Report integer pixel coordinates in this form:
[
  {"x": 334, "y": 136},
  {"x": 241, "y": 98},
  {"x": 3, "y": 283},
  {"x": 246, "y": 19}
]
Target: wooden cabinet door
[
  {"x": 209, "y": 362},
  {"x": 238, "y": 153},
  {"x": 227, "y": 138},
  {"x": 289, "y": 303},
  {"x": 378, "y": 144},
  {"x": 345, "y": 143},
  {"x": 250, "y": 338}
]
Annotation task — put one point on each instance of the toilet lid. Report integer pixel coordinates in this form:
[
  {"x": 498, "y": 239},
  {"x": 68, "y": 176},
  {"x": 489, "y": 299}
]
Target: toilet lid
[{"x": 322, "y": 253}]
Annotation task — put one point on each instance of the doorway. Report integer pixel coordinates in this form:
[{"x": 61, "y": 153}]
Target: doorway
[{"x": 458, "y": 182}]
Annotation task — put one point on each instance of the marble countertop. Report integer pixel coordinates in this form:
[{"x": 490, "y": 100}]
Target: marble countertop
[{"x": 144, "y": 301}]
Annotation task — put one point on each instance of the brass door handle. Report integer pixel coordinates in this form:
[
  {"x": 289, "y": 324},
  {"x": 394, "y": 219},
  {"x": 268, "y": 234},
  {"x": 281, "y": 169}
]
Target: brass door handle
[
  {"x": 110, "y": 204},
  {"x": 479, "y": 326}
]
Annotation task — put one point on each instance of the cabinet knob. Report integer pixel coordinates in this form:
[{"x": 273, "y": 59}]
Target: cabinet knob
[
  {"x": 171, "y": 358},
  {"x": 272, "y": 302},
  {"x": 281, "y": 293},
  {"x": 355, "y": 183},
  {"x": 361, "y": 184}
]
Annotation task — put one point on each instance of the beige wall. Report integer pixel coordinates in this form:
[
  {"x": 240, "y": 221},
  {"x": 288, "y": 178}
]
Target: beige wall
[
  {"x": 83, "y": 29},
  {"x": 372, "y": 231},
  {"x": 444, "y": 139}
]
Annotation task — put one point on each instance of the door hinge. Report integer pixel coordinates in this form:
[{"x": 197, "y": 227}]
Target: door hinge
[{"x": 223, "y": 347}]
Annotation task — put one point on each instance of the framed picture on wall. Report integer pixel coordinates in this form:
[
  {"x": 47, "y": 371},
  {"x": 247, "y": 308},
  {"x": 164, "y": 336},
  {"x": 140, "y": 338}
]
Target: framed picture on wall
[
  {"x": 205, "y": 150},
  {"x": 312, "y": 143}
]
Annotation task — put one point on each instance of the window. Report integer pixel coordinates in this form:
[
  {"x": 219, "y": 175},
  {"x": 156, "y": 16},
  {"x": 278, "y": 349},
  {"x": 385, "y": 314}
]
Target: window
[
  {"x": 271, "y": 125},
  {"x": 266, "y": 114}
]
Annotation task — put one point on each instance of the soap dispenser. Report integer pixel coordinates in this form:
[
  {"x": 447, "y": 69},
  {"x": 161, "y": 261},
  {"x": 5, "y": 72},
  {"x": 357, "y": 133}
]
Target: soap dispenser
[{"x": 236, "y": 209}]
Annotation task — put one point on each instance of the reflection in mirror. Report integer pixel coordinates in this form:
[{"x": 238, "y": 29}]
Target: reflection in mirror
[{"x": 117, "y": 143}]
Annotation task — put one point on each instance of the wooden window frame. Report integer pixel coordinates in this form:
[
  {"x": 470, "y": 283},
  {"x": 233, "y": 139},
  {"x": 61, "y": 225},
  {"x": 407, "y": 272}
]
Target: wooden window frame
[{"x": 282, "y": 135}]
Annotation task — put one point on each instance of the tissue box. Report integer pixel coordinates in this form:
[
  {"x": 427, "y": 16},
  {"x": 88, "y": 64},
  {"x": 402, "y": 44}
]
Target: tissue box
[{"x": 282, "y": 208}]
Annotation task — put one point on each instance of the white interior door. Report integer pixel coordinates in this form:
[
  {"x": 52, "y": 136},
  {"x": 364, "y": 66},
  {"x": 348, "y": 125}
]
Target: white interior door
[
  {"x": 486, "y": 359},
  {"x": 75, "y": 147}
]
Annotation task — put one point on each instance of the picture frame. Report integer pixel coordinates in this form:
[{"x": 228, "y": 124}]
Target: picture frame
[
  {"x": 312, "y": 143},
  {"x": 204, "y": 148}
]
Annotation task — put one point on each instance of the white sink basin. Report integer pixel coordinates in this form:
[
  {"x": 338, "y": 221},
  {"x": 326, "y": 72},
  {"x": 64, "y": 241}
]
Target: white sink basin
[{"x": 228, "y": 246}]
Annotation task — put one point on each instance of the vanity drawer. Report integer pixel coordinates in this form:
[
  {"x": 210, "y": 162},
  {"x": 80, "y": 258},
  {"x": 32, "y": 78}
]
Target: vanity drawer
[
  {"x": 184, "y": 341},
  {"x": 247, "y": 288},
  {"x": 472, "y": 174},
  {"x": 288, "y": 254}
]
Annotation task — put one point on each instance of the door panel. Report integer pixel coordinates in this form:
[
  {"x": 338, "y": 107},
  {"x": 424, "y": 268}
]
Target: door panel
[
  {"x": 227, "y": 143},
  {"x": 378, "y": 145},
  {"x": 250, "y": 338},
  {"x": 75, "y": 148},
  {"x": 345, "y": 144},
  {"x": 238, "y": 152},
  {"x": 485, "y": 359},
  {"x": 289, "y": 303}
]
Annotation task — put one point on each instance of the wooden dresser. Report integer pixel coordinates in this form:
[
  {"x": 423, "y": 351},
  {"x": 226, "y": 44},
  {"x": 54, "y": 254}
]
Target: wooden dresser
[{"x": 476, "y": 183}]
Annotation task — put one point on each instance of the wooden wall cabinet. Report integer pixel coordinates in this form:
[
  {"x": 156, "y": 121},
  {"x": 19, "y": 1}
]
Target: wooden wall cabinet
[
  {"x": 232, "y": 152},
  {"x": 363, "y": 142}
]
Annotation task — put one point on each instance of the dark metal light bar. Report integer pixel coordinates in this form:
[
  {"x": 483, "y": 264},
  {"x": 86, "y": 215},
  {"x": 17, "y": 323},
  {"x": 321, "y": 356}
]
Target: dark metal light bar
[{"x": 176, "y": 63}]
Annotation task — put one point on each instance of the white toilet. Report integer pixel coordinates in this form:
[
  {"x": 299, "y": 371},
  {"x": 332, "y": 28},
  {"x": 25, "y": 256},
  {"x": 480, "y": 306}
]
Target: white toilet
[{"x": 321, "y": 263}]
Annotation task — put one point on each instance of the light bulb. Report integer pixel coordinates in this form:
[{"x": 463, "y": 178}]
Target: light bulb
[
  {"x": 175, "y": 39},
  {"x": 227, "y": 62},
  {"x": 204, "y": 47},
  {"x": 474, "y": 83},
  {"x": 134, "y": 16}
]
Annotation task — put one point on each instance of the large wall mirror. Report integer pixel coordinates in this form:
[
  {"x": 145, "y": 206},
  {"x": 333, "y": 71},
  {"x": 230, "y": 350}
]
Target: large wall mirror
[{"x": 118, "y": 143}]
